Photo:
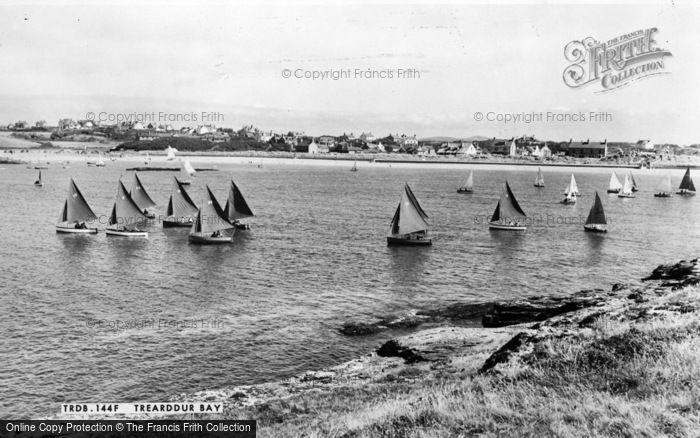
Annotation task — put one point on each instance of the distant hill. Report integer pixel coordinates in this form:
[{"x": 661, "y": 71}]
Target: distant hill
[{"x": 443, "y": 139}]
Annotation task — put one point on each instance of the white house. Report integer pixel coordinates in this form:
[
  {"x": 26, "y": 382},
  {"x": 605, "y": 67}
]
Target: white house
[
  {"x": 467, "y": 150},
  {"x": 313, "y": 147},
  {"x": 513, "y": 149},
  {"x": 545, "y": 152}
]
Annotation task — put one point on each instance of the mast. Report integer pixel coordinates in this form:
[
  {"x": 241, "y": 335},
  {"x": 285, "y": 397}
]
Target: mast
[{"x": 597, "y": 214}]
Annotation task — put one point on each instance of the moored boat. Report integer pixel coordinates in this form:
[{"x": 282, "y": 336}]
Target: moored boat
[
  {"x": 125, "y": 216},
  {"x": 39, "y": 182},
  {"x": 615, "y": 185},
  {"x": 181, "y": 209},
  {"x": 687, "y": 188},
  {"x": 539, "y": 181},
  {"x": 100, "y": 162},
  {"x": 508, "y": 214},
  {"x": 186, "y": 172},
  {"x": 170, "y": 153},
  {"x": 664, "y": 190},
  {"x": 141, "y": 198},
  {"x": 468, "y": 186},
  {"x": 211, "y": 225},
  {"x": 409, "y": 226},
  {"x": 626, "y": 190},
  {"x": 237, "y": 208},
  {"x": 76, "y": 213},
  {"x": 354, "y": 167},
  {"x": 596, "y": 222}
]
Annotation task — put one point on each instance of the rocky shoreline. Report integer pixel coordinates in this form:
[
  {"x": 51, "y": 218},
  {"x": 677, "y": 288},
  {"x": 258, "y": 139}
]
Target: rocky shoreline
[{"x": 358, "y": 398}]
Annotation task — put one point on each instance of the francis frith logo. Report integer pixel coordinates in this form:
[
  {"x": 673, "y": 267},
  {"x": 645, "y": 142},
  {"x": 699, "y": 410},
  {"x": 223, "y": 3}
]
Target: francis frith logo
[{"x": 614, "y": 63}]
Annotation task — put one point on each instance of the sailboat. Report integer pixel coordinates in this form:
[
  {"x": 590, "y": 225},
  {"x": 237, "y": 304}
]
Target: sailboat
[
  {"x": 100, "y": 162},
  {"x": 76, "y": 212},
  {"x": 664, "y": 190},
  {"x": 687, "y": 188},
  {"x": 260, "y": 164},
  {"x": 170, "y": 153},
  {"x": 211, "y": 225},
  {"x": 539, "y": 181},
  {"x": 408, "y": 226},
  {"x": 38, "y": 182},
  {"x": 147, "y": 161},
  {"x": 569, "y": 199},
  {"x": 572, "y": 187},
  {"x": 596, "y": 221},
  {"x": 237, "y": 208},
  {"x": 634, "y": 183},
  {"x": 125, "y": 216},
  {"x": 615, "y": 185},
  {"x": 508, "y": 214},
  {"x": 626, "y": 190},
  {"x": 468, "y": 186},
  {"x": 186, "y": 172},
  {"x": 141, "y": 198},
  {"x": 181, "y": 209},
  {"x": 354, "y": 167}
]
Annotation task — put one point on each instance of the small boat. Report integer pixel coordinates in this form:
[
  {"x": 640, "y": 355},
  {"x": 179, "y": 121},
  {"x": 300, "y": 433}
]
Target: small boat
[
  {"x": 569, "y": 199},
  {"x": 635, "y": 188},
  {"x": 181, "y": 209},
  {"x": 170, "y": 151},
  {"x": 409, "y": 226},
  {"x": 572, "y": 187},
  {"x": 508, "y": 214},
  {"x": 237, "y": 208},
  {"x": 539, "y": 181},
  {"x": 260, "y": 164},
  {"x": 186, "y": 172},
  {"x": 141, "y": 198},
  {"x": 596, "y": 221},
  {"x": 354, "y": 167},
  {"x": 147, "y": 161},
  {"x": 687, "y": 188},
  {"x": 211, "y": 225},
  {"x": 664, "y": 190},
  {"x": 468, "y": 186},
  {"x": 615, "y": 185},
  {"x": 626, "y": 190},
  {"x": 125, "y": 216},
  {"x": 91, "y": 163},
  {"x": 100, "y": 162},
  {"x": 38, "y": 182},
  {"x": 76, "y": 213}
]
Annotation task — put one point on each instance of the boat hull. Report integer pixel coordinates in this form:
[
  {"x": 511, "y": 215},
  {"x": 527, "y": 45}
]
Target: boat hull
[
  {"x": 402, "y": 241},
  {"x": 73, "y": 230},
  {"x": 613, "y": 190},
  {"x": 208, "y": 240},
  {"x": 569, "y": 201},
  {"x": 685, "y": 193},
  {"x": 593, "y": 228},
  {"x": 497, "y": 226},
  {"x": 125, "y": 233},
  {"x": 464, "y": 190},
  {"x": 174, "y": 223},
  {"x": 626, "y": 195},
  {"x": 539, "y": 185},
  {"x": 662, "y": 195}
]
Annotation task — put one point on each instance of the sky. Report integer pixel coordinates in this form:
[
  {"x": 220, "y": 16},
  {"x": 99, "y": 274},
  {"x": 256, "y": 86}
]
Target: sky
[{"x": 183, "y": 59}]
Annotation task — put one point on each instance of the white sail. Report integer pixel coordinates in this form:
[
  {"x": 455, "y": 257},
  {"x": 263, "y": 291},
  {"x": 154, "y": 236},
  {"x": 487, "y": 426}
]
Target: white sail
[
  {"x": 615, "y": 184},
  {"x": 665, "y": 186},
  {"x": 100, "y": 162},
  {"x": 188, "y": 168},
  {"x": 171, "y": 153},
  {"x": 470, "y": 181},
  {"x": 573, "y": 187},
  {"x": 626, "y": 186}
]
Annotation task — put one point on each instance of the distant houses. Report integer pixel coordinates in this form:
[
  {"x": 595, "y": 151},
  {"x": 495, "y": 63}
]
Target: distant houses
[{"x": 588, "y": 149}]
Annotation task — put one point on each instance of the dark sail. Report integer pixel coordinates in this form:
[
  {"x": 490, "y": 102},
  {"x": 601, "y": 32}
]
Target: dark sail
[
  {"x": 408, "y": 218},
  {"x": 496, "y": 213},
  {"x": 125, "y": 211},
  {"x": 76, "y": 208},
  {"x": 687, "y": 182},
  {"x": 597, "y": 214},
  {"x": 414, "y": 201},
  {"x": 180, "y": 203},
  {"x": 236, "y": 205},
  {"x": 514, "y": 201},
  {"x": 210, "y": 216},
  {"x": 139, "y": 195}
]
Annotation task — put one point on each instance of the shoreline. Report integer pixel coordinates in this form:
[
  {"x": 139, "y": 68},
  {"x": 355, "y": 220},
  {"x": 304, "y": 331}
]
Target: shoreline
[{"x": 531, "y": 355}]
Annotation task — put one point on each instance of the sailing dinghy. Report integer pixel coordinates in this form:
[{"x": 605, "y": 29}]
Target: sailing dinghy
[
  {"x": 125, "y": 216},
  {"x": 141, "y": 198},
  {"x": 186, "y": 172},
  {"x": 100, "y": 162},
  {"x": 181, "y": 209},
  {"x": 508, "y": 214},
  {"x": 635, "y": 188},
  {"x": 539, "y": 181},
  {"x": 237, "y": 208},
  {"x": 38, "y": 182},
  {"x": 211, "y": 225},
  {"x": 596, "y": 221},
  {"x": 687, "y": 188},
  {"x": 468, "y": 186},
  {"x": 664, "y": 190},
  {"x": 76, "y": 212},
  {"x": 170, "y": 153},
  {"x": 354, "y": 167},
  {"x": 572, "y": 187},
  {"x": 626, "y": 190},
  {"x": 409, "y": 226},
  {"x": 615, "y": 185}
]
